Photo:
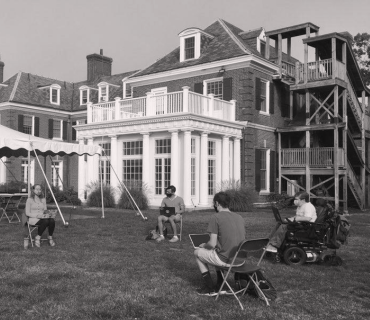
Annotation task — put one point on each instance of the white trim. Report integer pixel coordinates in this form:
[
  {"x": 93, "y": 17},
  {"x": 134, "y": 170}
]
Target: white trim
[
  {"x": 267, "y": 190},
  {"x": 235, "y": 39},
  {"x": 3, "y": 85},
  {"x": 18, "y": 106},
  {"x": 56, "y": 87},
  {"x": 267, "y": 98},
  {"x": 248, "y": 124},
  {"x": 15, "y": 87},
  {"x": 206, "y": 82}
]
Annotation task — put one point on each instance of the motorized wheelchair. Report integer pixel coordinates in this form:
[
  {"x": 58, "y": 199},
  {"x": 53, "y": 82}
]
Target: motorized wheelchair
[{"x": 309, "y": 242}]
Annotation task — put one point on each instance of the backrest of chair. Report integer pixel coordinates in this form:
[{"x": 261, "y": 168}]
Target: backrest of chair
[
  {"x": 248, "y": 246},
  {"x": 276, "y": 213}
]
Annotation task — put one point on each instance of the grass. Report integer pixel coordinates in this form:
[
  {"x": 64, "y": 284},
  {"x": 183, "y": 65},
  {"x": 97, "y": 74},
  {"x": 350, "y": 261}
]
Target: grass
[{"x": 104, "y": 269}]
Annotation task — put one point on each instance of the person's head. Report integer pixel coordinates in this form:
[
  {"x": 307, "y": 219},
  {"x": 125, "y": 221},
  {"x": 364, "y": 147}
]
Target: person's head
[
  {"x": 36, "y": 190},
  {"x": 221, "y": 200},
  {"x": 301, "y": 198},
  {"x": 170, "y": 190}
]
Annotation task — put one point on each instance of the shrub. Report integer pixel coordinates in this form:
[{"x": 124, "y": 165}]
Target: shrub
[
  {"x": 12, "y": 187},
  {"x": 242, "y": 197},
  {"x": 68, "y": 195},
  {"x": 281, "y": 200},
  {"x": 94, "y": 198},
  {"x": 138, "y": 192}
]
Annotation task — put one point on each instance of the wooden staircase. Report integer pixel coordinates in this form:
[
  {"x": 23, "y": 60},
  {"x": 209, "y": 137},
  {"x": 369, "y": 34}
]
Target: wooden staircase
[{"x": 355, "y": 187}]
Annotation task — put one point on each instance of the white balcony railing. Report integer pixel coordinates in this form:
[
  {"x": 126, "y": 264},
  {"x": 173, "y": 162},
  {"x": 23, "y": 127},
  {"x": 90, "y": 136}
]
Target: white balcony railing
[{"x": 157, "y": 105}]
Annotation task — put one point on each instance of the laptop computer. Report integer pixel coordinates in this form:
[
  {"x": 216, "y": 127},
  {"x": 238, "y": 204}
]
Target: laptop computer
[
  {"x": 278, "y": 216},
  {"x": 167, "y": 211},
  {"x": 198, "y": 239}
]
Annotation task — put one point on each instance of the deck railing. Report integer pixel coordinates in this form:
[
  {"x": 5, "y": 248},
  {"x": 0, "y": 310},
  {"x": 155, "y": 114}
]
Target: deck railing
[
  {"x": 318, "y": 157},
  {"x": 320, "y": 70},
  {"x": 288, "y": 68},
  {"x": 156, "y": 105}
]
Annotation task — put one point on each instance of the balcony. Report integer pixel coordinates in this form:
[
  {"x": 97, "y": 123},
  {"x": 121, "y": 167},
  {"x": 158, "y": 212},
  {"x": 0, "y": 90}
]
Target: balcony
[
  {"x": 320, "y": 70},
  {"x": 156, "y": 105},
  {"x": 318, "y": 157}
]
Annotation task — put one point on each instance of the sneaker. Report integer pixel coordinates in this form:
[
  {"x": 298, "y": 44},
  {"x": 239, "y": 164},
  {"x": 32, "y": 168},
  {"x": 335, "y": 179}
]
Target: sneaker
[
  {"x": 26, "y": 243},
  {"x": 206, "y": 292},
  {"x": 271, "y": 248},
  {"x": 37, "y": 241},
  {"x": 160, "y": 238},
  {"x": 174, "y": 239},
  {"x": 51, "y": 241}
]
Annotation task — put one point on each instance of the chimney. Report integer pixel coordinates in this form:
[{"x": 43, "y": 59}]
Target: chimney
[
  {"x": 98, "y": 65},
  {"x": 1, "y": 71}
]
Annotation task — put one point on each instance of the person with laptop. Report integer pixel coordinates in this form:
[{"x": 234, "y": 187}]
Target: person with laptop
[
  {"x": 170, "y": 201},
  {"x": 226, "y": 231},
  {"x": 305, "y": 212}
]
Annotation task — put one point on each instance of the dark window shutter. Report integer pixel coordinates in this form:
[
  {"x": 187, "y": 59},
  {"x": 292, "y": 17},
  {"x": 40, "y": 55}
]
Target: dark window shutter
[
  {"x": 285, "y": 102},
  {"x": 198, "y": 87},
  {"x": 65, "y": 130},
  {"x": 257, "y": 93},
  {"x": 272, "y": 170},
  {"x": 74, "y": 131},
  {"x": 228, "y": 89},
  {"x": 37, "y": 127},
  {"x": 272, "y": 97},
  {"x": 257, "y": 172},
  {"x": 20, "y": 122},
  {"x": 51, "y": 128}
]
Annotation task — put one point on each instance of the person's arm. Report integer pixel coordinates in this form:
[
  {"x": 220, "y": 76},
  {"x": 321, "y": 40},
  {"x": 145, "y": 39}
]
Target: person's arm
[
  {"x": 182, "y": 207},
  {"x": 162, "y": 204},
  {"x": 211, "y": 244}
]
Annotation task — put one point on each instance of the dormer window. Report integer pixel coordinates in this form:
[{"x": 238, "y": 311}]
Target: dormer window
[
  {"x": 85, "y": 96},
  {"x": 55, "y": 94},
  {"x": 191, "y": 42},
  {"x": 103, "y": 92}
]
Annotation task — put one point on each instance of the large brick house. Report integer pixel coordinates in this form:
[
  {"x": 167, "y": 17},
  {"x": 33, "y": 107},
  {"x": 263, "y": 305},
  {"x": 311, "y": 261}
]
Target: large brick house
[{"x": 204, "y": 115}]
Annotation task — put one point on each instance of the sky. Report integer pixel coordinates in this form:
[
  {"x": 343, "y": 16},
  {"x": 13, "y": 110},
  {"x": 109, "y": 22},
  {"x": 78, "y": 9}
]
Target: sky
[{"x": 52, "y": 38}]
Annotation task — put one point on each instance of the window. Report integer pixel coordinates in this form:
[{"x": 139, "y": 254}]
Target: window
[
  {"x": 55, "y": 94},
  {"x": 133, "y": 173},
  {"x": 104, "y": 163},
  {"x": 28, "y": 124},
  {"x": 163, "y": 146},
  {"x": 84, "y": 96},
  {"x": 132, "y": 148},
  {"x": 192, "y": 146},
  {"x": 128, "y": 90},
  {"x": 265, "y": 170},
  {"x": 103, "y": 93},
  {"x": 24, "y": 171},
  {"x": 262, "y": 94},
  {"x": 215, "y": 87},
  {"x": 211, "y": 167},
  {"x": 57, "y": 129},
  {"x": 162, "y": 174},
  {"x": 57, "y": 173},
  {"x": 189, "y": 48},
  {"x": 263, "y": 48}
]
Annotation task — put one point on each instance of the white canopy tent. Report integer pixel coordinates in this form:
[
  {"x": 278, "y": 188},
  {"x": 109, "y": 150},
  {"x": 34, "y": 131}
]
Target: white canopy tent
[{"x": 18, "y": 144}]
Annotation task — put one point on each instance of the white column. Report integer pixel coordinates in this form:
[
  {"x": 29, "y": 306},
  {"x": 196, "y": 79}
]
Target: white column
[
  {"x": 237, "y": 159},
  {"x": 203, "y": 183},
  {"x": 211, "y": 105},
  {"x": 225, "y": 174},
  {"x": 117, "y": 108},
  {"x": 185, "y": 99},
  {"x": 150, "y": 106},
  {"x": 186, "y": 173},
  {"x": 232, "y": 113},
  {"x": 175, "y": 158},
  {"x": 81, "y": 174},
  {"x": 113, "y": 161},
  {"x": 146, "y": 158}
]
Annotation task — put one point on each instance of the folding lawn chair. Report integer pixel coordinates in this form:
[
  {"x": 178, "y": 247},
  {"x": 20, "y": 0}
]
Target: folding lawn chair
[
  {"x": 178, "y": 226},
  {"x": 10, "y": 208},
  {"x": 239, "y": 264},
  {"x": 31, "y": 228}
]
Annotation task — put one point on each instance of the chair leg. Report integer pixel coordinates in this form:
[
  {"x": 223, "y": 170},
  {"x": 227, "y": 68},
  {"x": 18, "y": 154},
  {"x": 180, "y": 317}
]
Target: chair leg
[
  {"x": 258, "y": 288},
  {"x": 231, "y": 289}
]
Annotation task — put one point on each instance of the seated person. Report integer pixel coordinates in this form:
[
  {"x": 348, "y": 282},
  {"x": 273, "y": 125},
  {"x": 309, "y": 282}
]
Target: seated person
[
  {"x": 320, "y": 210},
  {"x": 38, "y": 215},
  {"x": 171, "y": 200},
  {"x": 305, "y": 212},
  {"x": 226, "y": 231}
]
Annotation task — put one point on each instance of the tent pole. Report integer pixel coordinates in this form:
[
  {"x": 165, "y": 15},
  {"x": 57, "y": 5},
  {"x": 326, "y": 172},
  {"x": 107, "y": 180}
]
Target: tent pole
[
  {"x": 29, "y": 174},
  {"x": 51, "y": 191},
  {"x": 101, "y": 190}
]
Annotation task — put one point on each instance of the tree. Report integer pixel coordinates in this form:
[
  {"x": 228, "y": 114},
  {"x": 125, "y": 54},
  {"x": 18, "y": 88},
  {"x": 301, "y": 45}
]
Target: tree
[{"x": 361, "y": 49}]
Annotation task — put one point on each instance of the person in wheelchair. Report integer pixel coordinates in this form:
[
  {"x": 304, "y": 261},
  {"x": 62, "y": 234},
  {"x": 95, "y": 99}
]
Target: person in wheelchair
[
  {"x": 306, "y": 212},
  {"x": 38, "y": 215}
]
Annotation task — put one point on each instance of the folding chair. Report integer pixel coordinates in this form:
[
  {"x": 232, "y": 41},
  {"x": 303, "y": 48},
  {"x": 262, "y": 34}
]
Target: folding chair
[
  {"x": 239, "y": 264},
  {"x": 11, "y": 207},
  {"x": 178, "y": 226},
  {"x": 31, "y": 228}
]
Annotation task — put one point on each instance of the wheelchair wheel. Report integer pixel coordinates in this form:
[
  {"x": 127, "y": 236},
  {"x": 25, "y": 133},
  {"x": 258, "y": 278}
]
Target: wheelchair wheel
[{"x": 295, "y": 256}]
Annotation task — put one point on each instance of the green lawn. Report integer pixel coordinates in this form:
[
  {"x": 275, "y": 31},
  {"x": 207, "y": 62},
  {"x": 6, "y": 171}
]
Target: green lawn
[{"x": 104, "y": 269}]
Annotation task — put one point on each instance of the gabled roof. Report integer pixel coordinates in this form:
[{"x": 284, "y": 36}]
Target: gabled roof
[
  {"x": 251, "y": 33},
  {"x": 226, "y": 44}
]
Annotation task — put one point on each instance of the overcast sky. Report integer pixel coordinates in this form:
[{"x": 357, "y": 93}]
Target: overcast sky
[{"x": 51, "y": 38}]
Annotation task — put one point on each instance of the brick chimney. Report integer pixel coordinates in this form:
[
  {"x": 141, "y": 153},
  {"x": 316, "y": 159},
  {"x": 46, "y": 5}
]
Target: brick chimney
[
  {"x": 2, "y": 64},
  {"x": 98, "y": 65}
]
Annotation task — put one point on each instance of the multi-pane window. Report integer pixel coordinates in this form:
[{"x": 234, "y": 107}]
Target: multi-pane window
[
  {"x": 162, "y": 174},
  {"x": 189, "y": 48},
  {"x": 106, "y": 148},
  {"x": 57, "y": 173},
  {"x": 211, "y": 176},
  {"x": 192, "y": 173},
  {"x": 133, "y": 173},
  {"x": 163, "y": 146},
  {"x": 104, "y": 163},
  {"x": 192, "y": 146},
  {"x": 57, "y": 129},
  {"x": 263, "y": 169},
  {"x": 131, "y": 148},
  {"x": 211, "y": 148},
  {"x": 24, "y": 171},
  {"x": 54, "y": 95},
  {"x": 27, "y": 124},
  {"x": 85, "y": 98},
  {"x": 215, "y": 87},
  {"x": 128, "y": 92},
  {"x": 263, "y": 96},
  {"x": 103, "y": 93}
]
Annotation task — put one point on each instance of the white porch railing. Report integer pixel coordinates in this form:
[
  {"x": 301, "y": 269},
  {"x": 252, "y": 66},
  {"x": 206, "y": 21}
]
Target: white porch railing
[
  {"x": 318, "y": 157},
  {"x": 156, "y": 105}
]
